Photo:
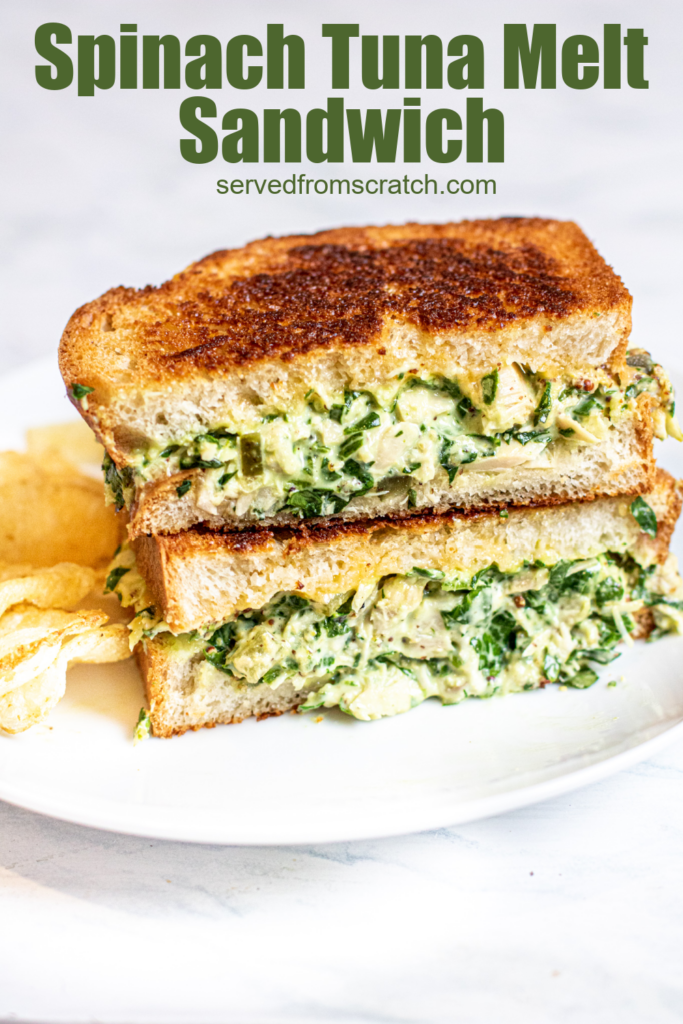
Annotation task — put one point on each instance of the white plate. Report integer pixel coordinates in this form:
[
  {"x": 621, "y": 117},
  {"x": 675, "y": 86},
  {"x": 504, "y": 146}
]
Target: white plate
[{"x": 296, "y": 780}]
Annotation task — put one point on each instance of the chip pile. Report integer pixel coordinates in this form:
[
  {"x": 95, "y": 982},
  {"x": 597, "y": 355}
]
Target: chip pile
[{"x": 56, "y": 535}]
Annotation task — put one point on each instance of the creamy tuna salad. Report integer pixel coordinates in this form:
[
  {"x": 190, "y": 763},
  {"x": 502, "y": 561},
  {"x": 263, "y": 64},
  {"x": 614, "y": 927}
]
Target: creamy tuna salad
[
  {"x": 315, "y": 458},
  {"x": 387, "y": 646}
]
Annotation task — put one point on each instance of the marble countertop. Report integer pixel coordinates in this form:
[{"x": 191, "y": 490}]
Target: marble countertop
[{"x": 568, "y": 911}]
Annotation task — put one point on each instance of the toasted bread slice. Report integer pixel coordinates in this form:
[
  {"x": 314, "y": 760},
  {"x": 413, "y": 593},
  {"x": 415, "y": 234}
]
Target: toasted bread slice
[{"x": 203, "y": 576}]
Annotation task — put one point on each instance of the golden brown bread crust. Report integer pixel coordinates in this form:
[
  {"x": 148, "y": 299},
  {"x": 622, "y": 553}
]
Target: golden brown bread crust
[{"x": 283, "y": 298}]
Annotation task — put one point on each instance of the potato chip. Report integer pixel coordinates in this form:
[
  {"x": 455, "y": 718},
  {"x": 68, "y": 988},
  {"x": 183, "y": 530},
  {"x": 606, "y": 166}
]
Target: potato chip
[
  {"x": 36, "y": 647},
  {"x": 71, "y": 442},
  {"x": 54, "y": 513},
  {"x": 60, "y": 586}
]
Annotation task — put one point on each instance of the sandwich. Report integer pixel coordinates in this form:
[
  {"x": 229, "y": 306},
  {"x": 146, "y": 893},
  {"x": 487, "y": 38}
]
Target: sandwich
[
  {"x": 369, "y": 373},
  {"x": 375, "y": 617}
]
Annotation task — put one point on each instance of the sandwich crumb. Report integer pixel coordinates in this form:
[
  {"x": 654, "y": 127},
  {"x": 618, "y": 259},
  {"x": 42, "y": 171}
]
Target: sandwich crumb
[{"x": 143, "y": 727}]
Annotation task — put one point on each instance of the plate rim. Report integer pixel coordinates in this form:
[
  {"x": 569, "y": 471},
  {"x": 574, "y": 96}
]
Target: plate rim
[{"x": 467, "y": 811}]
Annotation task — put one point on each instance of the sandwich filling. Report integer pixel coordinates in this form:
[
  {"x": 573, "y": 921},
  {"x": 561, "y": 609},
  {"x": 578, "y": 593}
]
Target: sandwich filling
[
  {"x": 389, "y": 645},
  {"x": 314, "y": 459}
]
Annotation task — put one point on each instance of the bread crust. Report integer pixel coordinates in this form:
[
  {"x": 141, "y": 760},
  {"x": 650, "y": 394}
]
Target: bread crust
[
  {"x": 171, "y": 682},
  {"x": 204, "y": 576},
  {"x": 352, "y": 305}
]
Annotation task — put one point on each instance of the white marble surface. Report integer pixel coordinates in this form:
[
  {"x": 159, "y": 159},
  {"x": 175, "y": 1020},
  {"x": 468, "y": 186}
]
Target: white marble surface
[
  {"x": 567, "y": 911},
  {"x": 570, "y": 911}
]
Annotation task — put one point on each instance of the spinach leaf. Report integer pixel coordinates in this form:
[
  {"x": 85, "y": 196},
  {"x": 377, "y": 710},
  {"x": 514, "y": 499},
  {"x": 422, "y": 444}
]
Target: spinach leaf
[
  {"x": 272, "y": 674},
  {"x": 491, "y": 574},
  {"x": 536, "y": 600},
  {"x": 79, "y": 391},
  {"x": 489, "y": 387},
  {"x": 544, "y": 406},
  {"x": 338, "y": 502},
  {"x": 114, "y": 577},
  {"x": 428, "y": 574},
  {"x": 350, "y": 445},
  {"x": 195, "y": 462},
  {"x": 336, "y": 625},
  {"x": 116, "y": 480},
  {"x": 358, "y": 470},
  {"x": 600, "y": 655},
  {"x": 465, "y": 408},
  {"x": 556, "y": 580},
  {"x": 644, "y": 515},
  {"x": 639, "y": 590},
  {"x": 224, "y": 636},
  {"x": 329, "y": 474},
  {"x": 608, "y": 590},
  {"x": 524, "y": 436},
  {"x": 587, "y": 404},
  {"x": 444, "y": 457},
  {"x": 579, "y": 582},
  {"x": 367, "y": 423},
  {"x": 503, "y": 625},
  {"x": 467, "y": 611},
  {"x": 491, "y": 653},
  {"x": 551, "y": 667},
  {"x": 582, "y": 679},
  {"x": 609, "y": 635},
  {"x": 292, "y": 602},
  {"x": 451, "y": 387},
  {"x": 308, "y": 502},
  {"x": 345, "y": 608},
  {"x": 222, "y": 433},
  {"x": 392, "y": 658},
  {"x": 636, "y": 387}
]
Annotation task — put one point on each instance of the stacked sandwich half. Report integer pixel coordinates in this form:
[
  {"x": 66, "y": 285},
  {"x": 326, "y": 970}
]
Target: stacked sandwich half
[{"x": 370, "y": 466}]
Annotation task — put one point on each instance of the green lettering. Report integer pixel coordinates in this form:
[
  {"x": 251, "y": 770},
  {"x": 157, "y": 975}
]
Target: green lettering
[
  {"x": 192, "y": 123},
  {"x": 64, "y": 69},
  {"x": 517, "y": 50}
]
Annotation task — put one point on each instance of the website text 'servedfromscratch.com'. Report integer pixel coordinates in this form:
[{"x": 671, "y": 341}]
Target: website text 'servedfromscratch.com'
[{"x": 302, "y": 185}]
